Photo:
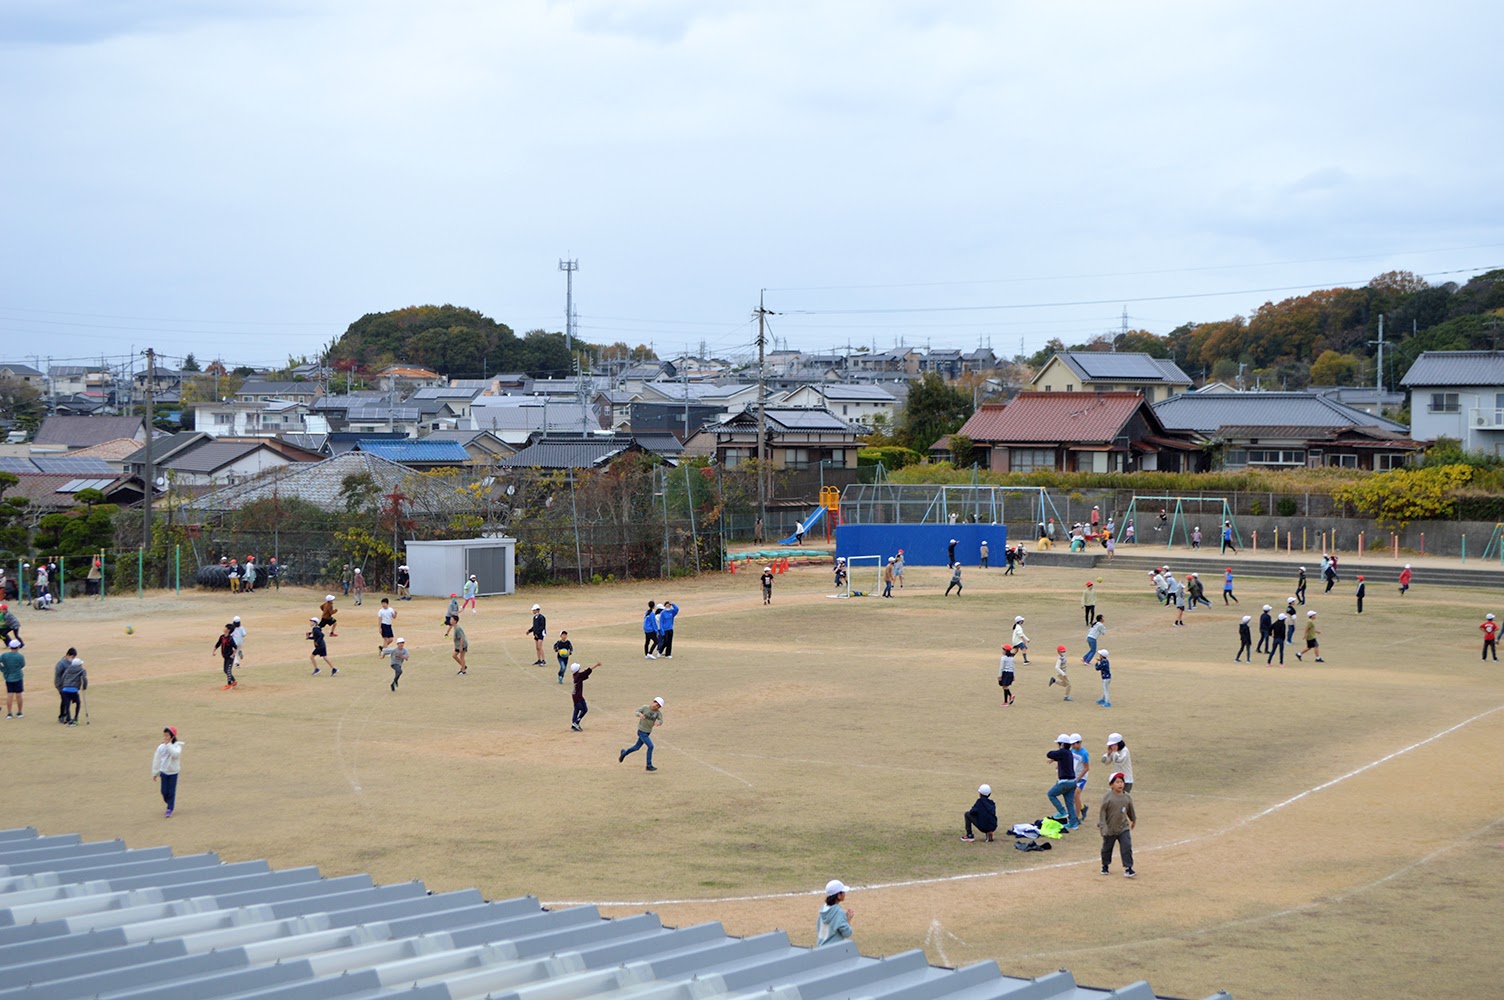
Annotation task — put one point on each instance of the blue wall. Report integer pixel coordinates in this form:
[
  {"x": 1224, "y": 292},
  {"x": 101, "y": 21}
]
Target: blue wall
[{"x": 923, "y": 544}]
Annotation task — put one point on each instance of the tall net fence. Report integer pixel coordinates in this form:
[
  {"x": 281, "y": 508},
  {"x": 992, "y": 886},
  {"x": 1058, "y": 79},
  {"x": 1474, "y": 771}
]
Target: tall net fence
[{"x": 886, "y": 503}]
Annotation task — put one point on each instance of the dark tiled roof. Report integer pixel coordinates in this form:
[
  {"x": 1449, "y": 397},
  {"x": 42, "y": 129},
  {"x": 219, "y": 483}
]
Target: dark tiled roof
[
  {"x": 81, "y": 432},
  {"x": 569, "y": 452},
  {"x": 1203, "y": 413},
  {"x": 211, "y": 456}
]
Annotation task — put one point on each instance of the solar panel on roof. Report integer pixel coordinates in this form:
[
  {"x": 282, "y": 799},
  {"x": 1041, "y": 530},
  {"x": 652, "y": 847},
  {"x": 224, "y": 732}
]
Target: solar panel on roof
[
  {"x": 11, "y": 463},
  {"x": 1107, "y": 365},
  {"x": 79, "y": 465}
]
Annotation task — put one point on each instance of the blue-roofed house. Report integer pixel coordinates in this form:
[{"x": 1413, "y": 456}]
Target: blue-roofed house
[
  {"x": 1110, "y": 371},
  {"x": 1458, "y": 394},
  {"x": 423, "y": 453}
]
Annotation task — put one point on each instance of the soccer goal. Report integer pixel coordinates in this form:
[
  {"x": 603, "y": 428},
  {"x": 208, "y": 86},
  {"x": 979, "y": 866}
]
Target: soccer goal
[{"x": 864, "y": 576}]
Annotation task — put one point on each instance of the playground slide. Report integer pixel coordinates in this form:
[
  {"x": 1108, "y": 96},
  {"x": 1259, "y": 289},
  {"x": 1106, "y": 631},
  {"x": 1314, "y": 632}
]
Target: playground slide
[{"x": 797, "y": 537}]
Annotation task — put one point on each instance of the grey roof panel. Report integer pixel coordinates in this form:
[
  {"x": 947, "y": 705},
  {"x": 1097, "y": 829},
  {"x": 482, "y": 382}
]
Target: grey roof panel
[
  {"x": 242, "y": 931},
  {"x": 1106, "y": 365},
  {"x": 1443, "y": 368},
  {"x": 1205, "y": 413}
]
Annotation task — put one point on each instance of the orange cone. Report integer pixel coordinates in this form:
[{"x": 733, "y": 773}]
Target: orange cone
[{"x": 731, "y": 564}]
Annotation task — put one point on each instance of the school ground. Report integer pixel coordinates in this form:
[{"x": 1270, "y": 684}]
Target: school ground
[{"x": 1321, "y": 830}]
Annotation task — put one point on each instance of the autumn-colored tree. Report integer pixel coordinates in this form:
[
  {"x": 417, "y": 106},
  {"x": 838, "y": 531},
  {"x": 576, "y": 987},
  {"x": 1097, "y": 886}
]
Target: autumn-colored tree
[{"x": 1332, "y": 368}]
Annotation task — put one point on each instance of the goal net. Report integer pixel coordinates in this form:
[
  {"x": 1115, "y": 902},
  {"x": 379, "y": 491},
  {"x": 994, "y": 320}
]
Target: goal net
[{"x": 864, "y": 576}]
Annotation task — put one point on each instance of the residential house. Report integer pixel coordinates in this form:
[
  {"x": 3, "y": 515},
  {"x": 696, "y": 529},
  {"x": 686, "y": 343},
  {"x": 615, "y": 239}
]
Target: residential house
[
  {"x": 1287, "y": 429},
  {"x": 857, "y": 404},
  {"x": 574, "y": 451},
  {"x": 516, "y": 419},
  {"x": 945, "y": 363},
  {"x": 80, "y": 380},
  {"x": 195, "y": 459},
  {"x": 250, "y": 416},
  {"x": 615, "y": 407},
  {"x": 820, "y": 363},
  {"x": 157, "y": 380},
  {"x": 1366, "y": 398},
  {"x": 729, "y": 396},
  {"x": 482, "y": 447},
  {"x": 1076, "y": 432},
  {"x": 979, "y": 360},
  {"x": 1458, "y": 395},
  {"x": 680, "y": 420},
  {"x": 404, "y": 378},
  {"x": 437, "y": 403},
  {"x": 1109, "y": 371},
  {"x": 69, "y": 433},
  {"x": 899, "y": 359},
  {"x": 257, "y": 390},
  {"x": 797, "y": 437},
  {"x": 23, "y": 373},
  {"x": 421, "y": 454}
]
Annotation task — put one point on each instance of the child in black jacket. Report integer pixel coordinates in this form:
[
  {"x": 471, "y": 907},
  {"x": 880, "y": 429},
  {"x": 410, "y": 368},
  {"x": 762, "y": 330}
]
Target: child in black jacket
[{"x": 982, "y": 815}]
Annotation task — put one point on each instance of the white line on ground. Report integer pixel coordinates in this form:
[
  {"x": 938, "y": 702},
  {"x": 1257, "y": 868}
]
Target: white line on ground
[
  {"x": 668, "y": 746},
  {"x": 940, "y": 880}
]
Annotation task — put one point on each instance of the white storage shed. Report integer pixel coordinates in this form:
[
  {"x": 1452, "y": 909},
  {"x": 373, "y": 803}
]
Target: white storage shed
[{"x": 439, "y": 569}]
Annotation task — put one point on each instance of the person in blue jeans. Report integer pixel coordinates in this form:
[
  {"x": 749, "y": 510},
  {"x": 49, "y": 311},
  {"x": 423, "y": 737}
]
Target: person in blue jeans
[
  {"x": 1065, "y": 782},
  {"x": 649, "y": 716},
  {"x": 1103, "y": 666},
  {"x": 1093, "y": 636}
]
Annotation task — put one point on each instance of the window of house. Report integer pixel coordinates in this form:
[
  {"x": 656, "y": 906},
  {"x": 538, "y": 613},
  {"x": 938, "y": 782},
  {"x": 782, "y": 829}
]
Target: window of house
[
  {"x": 1391, "y": 460},
  {"x": 1070, "y": 388},
  {"x": 1030, "y": 459},
  {"x": 1235, "y": 457},
  {"x": 1276, "y": 456},
  {"x": 1444, "y": 402},
  {"x": 224, "y": 418},
  {"x": 1342, "y": 461},
  {"x": 796, "y": 458}
]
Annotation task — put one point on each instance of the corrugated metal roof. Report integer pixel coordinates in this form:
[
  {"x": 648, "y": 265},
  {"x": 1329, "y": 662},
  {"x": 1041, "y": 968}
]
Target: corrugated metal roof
[
  {"x": 1443, "y": 368},
  {"x": 99, "y": 919},
  {"x": 1204, "y": 413},
  {"x": 1064, "y": 417}
]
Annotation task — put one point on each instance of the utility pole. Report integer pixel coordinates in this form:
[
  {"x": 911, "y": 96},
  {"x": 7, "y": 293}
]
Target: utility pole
[
  {"x": 569, "y": 267},
  {"x": 1378, "y": 381},
  {"x": 148, "y": 478},
  {"x": 762, "y": 416}
]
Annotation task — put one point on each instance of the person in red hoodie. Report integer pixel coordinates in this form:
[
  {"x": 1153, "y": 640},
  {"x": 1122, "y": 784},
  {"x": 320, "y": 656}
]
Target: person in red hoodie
[
  {"x": 1404, "y": 579},
  {"x": 1490, "y": 637}
]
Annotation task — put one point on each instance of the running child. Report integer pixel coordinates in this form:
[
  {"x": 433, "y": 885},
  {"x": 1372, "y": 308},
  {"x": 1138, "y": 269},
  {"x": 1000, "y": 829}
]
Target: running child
[
  {"x": 385, "y": 616},
  {"x": 955, "y": 580},
  {"x": 1061, "y": 677},
  {"x": 563, "y": 649},
  {"x": 1404, "y": 579},
  {"x": 225, "y": 647},
  {"x": 1227, "y": 593},
  {"x": 451, "y": 613},
  {"x": 1300, "y": 585},
  {"x": 320, "y": 650},
  {"x": 1005, "y": 675},
  {"x": 1227, "y": 538},
  {"x": 326, "y": 615},
  {"x": 1311, "y": 642},
  {"x": 1245, "y": 640},
  {"x": 471, "y": 588},
  {"x": 1020, "y": 640},
  {"x": 461, "y": 648},
  {"x": 399, "y": 655}
]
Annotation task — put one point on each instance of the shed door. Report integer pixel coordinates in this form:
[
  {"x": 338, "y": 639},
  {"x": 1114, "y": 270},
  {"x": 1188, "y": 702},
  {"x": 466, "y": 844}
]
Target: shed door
[{"x": 488, "y": 565}]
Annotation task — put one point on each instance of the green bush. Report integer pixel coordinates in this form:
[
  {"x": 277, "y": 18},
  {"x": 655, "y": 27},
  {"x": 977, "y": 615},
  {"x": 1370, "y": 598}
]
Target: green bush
[
  {"x": 891, "y": 456},
  {"x": 1286, "y": 506},
  {"x": 1401, "y": 496}
]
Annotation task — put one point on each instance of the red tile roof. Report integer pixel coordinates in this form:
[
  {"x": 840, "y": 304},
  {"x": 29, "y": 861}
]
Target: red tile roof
[{"x": 1057, "y": 418}]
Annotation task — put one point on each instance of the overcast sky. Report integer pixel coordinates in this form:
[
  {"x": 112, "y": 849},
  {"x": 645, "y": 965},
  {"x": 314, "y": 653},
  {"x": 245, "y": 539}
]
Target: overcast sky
[{"x": 244, "y": 178}]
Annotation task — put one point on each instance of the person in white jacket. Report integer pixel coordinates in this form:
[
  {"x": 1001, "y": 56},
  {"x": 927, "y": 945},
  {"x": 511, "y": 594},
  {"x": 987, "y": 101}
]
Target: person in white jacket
[
  {"x": 1061, "y": 677},
  {"x": 1020, "y": 640},
  {"x": 1117, "y": 758},
  {"x": 165, "y": 766}
]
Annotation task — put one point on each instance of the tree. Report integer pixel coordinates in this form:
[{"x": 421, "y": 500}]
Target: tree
[
  {"x": 963, "y": 451},
  {"x": 543, "y": 355},
  {"x": 1225, "y": 370},
  {"x": 22, "y": 402},
  {"x": 190, "y": 363},
  {"x": 933, "y": 410},
  {"x": 1334, "y": 369}
]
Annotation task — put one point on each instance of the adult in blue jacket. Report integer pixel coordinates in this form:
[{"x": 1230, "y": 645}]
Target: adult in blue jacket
[
  {"x": 650, "y": 632},
  {"x": 667, "y": 612},
  {"x": 1065, "y": 782},
  {"x": 982, "y": 815}
]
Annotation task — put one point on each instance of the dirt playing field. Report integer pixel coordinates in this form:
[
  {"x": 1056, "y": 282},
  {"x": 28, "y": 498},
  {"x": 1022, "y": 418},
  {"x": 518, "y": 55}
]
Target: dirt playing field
[{"x": 1321, "y": 830}]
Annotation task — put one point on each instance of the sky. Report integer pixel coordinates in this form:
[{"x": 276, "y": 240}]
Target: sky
[{"x": 244, "y": 178}]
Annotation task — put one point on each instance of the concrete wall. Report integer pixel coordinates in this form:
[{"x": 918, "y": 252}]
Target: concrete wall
[{"x": 923, "y": 544}]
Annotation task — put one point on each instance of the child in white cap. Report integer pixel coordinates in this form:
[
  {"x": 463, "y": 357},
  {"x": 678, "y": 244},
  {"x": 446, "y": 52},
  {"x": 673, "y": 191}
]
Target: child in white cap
[
  {"x": 1311, "y": 643},
  {"x": 1117, "y": 757},
  {"x": 1020, "y": 640},
  {"x": 1245, "y": 640},
  {"x": 982, "y": 815},
  {"x": 399, "y": 655},
  {"x": 834, "y": 925},
  {"x": 649, "y": 717}
]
